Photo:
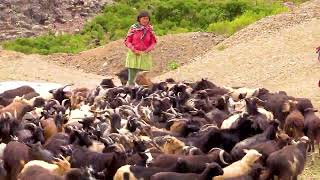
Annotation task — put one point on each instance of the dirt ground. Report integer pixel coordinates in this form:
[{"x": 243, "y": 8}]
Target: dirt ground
[
  {"x": 280, "y": 55},
  {"x": 16, "y": 66},
  {"x": 109, "y": 59}
]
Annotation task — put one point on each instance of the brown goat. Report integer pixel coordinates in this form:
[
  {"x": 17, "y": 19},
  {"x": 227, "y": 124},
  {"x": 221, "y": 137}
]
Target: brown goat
[
  {"x": 78, "y": 95},
  {"x": 143, "y": 79},
  {"x": 14, "y": 155},
  {"x": 49, "y": 127},
  {"x": 294, "y": 122},
  {"x": 18, "y": 108},
  {"x": 312, "y": 127},
  {"x": 172, "y": 145}
]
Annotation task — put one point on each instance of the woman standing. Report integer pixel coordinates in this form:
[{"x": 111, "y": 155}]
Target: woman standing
[{"x": 140, "y": 40}]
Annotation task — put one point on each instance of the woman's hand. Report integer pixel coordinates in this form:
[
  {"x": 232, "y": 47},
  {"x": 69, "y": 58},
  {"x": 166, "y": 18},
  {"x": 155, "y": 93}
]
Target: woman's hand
[
  {"x": 136, "y": 52},
  {"x": 148, "y": 50}
]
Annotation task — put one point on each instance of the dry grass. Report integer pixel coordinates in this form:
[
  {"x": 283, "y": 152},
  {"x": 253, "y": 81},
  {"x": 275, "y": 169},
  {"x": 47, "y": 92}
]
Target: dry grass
[{"x": 312, "y": 170}]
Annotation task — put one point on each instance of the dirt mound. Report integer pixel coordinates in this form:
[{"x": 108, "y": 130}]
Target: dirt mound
[
  {"x": 25, "y": 18},
  {"x": 109, "y": 59},
  {"x": 283, "y": 59},
  {"x": 273, "y": 24}
]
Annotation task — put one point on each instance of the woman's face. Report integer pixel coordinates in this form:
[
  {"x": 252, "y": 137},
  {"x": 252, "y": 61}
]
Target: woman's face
[{"x": 144, "y": 21}]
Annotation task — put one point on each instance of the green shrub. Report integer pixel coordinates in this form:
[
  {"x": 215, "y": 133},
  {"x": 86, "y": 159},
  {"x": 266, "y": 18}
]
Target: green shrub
[
  {"x": 167, "y": 16},
  {"x": 248, "y": 17},
  {"x": 172, "y": 65}
]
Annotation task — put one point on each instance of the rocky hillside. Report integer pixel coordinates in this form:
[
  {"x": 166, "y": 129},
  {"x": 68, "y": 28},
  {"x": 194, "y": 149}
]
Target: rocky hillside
[{"x": 24, "y": 18}]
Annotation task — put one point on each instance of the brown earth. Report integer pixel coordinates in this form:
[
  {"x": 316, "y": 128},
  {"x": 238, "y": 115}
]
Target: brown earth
[
  {"x": 277, "y": 53},
  {"x": 280, "y": 55},
  {"x": 109, "y": 59}
]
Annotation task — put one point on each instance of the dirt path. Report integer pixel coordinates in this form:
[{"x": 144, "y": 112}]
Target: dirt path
[{"x": 16, "y": 66}]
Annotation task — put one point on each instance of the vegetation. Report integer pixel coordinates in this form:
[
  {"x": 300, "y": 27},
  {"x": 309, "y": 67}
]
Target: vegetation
[
  {"x": 172, "y": 65},
  {"x": 221, "y": 47},
  {"x": 168, "y": 17}
]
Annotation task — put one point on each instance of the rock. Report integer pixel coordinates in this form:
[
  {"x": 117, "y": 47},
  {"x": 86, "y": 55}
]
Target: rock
[{"x": 17, "y": 14}]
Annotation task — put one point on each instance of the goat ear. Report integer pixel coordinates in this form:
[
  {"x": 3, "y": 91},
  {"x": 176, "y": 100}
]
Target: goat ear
[
  {"x": 285, "y": 107},
  {"x": 245, "y": 151},
  {"x": 68, "y": 158}
]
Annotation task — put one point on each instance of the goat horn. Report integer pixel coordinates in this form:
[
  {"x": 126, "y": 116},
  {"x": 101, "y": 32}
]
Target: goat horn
[
  {"x": 214, "y": 149},
  {"x": 177, "y": 120},
  {"x": 57, "y": 159},
  {"x": 55, "y": 101},
  {"x": 63, "y": 158},
  {"x": 9, "y": 114},
  {"x": 169, "y": 114},
  {"x": 64, "y": 101},
  {"x": 15, "y": 113},
  {"x": 311, "y": 109},
  {"x": 221, "y": 157},
  {"x": 40, "y": 125},
  {"x": 71, "y": 84}
]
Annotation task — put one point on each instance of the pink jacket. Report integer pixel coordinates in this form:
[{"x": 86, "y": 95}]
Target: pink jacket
[{"x": 134, "y": 41}]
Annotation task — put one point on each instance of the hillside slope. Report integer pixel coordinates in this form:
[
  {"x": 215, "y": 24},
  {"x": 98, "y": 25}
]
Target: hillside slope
[
  {"x": 109, "y": 59},
  {"x": 279, "y": 59}
]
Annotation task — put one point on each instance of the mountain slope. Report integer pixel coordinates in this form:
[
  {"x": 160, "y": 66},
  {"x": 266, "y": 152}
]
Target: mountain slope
[{"x": 284, "y": 60}]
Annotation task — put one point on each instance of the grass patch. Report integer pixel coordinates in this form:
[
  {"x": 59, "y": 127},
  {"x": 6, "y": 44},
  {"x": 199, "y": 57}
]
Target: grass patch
[
  {"x": 172, "y": 65},
  {"x": 240, "y": 22},
  {"x": 222, "y": 47},
  {"x": 311, "y": 171},
  {"x": 168, "y": 17}
]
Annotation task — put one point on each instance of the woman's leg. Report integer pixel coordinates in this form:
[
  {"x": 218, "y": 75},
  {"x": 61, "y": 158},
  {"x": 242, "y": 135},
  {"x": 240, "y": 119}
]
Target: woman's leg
[{"x": 132, "y": 72}]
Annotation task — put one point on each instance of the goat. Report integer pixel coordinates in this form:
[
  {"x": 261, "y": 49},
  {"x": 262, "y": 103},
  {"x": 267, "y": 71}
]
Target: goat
[
  {"x": 50, "y": 128},
  {"x": 20, "y": 91},
  {"x": 123, "y": 76},
  {"x": 15, "y": 153},
  {"x": 289, "y": 161},
  {"x": 138, "y": 172},
  {"x": 242, "y": 166},
  {"x": 268, "y": 147},
  {"x": 81, "y": 157},
  {"x": 312, "y": 127},
  {"x": 59, "y": 167},
  {"x": 18, "y": 108},
  {"x": 268, "y": 134},
  {"x": 242, "y": 93},
  {"x": 142, "y": 78},
  {"x": 294, "y": 122},
  {"x": 195, "y": 162},
  {"x": 211, "y": 170}
]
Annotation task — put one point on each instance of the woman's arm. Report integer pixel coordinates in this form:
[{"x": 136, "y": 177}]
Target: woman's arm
[
  {"x": 128, "y": 42},
  {"x": 153, "y": 42}
]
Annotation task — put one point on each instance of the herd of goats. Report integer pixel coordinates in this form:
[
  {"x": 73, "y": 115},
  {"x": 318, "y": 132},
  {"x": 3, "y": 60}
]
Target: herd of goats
[{"x": 161, "y": 131}]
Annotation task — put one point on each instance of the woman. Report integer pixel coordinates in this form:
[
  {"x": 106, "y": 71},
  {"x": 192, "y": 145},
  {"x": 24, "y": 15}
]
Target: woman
[{"x": 140, "y": 40}]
